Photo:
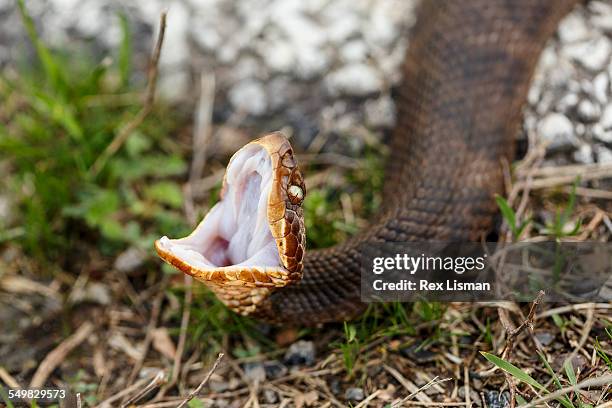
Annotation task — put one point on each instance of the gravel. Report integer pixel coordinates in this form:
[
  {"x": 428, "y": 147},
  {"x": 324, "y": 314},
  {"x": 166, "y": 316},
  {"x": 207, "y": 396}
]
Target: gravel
[
  {"x": 300, "y": 353},
  {"x": 288, "y": 62},
  {"x": 354, "y": 394}
]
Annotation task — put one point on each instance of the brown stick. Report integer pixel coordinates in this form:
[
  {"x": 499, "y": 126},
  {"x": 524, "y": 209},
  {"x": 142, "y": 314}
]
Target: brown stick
[
  {"x": 129, "y": 128},
  {"x": 195, "y": 392},
  {"x": 58, "y": 354}
]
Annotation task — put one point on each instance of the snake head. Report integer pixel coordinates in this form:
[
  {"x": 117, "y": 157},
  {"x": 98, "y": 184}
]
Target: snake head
[{"x": 253, "y": 240}]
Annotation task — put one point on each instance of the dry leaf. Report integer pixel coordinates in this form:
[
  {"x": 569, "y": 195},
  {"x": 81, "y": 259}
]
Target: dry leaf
[{"x": 163, "y": 343}]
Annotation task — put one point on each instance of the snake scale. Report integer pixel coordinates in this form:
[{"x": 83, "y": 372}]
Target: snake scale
[{"x": 466, "y": 75}]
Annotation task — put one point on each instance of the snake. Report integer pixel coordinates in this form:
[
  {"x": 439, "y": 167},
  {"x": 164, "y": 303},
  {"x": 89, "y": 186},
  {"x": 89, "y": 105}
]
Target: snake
[{"x": 465, "y": 78}]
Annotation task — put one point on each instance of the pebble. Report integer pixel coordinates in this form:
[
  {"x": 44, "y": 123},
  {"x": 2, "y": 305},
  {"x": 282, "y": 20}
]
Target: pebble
[
  {"x": 270, "y": 396},
  {"x": 604, "y": 155},
  {"x": 567, "y": 102},
  {"x": 358, "y": 80},
  {"x": 588, "y": 111},
  {"x": 602, "y": 15},
  {"x": 380, "y": 112},
  {"x": 354, "y": 394},
  {"x": 300, "y": 353},
  {"x": 593, "y": 54},
  {"x": 354, "y": 51},
  {"x": 249, "y": 96},
  {"x": 584, "y": 154},
  {"x": 275, "y": 369},
  {"x": 558, "y": 131},
  {"x": 573, "y": 28},
  {"x": 493, "y": 399},
  {"x": 130, "y": 260},
  {"x": 255, "y": 372},
  {"x": 545, "y": 338},
  {"x": 600, "y": 87}
]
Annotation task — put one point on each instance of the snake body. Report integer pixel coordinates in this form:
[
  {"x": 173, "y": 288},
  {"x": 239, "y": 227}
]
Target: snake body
[{"x": 466, "y": 75}]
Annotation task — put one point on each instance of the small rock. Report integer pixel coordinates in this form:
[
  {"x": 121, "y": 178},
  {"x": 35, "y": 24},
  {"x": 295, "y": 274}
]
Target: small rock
[
  {"x": 380, "y": 112},
  {"x": 584, "y": 154},
  {"x": 129, "y": 260},
  {"x": 593, "y": 55},
  {"x": 94, "y": 292},
  {"x": 418, "y": 354},
  {"x": 218, "y": 386},
  {"x": 275, "y": 369},
  {"x": 588, "y": 111},
  {"x": 606, "y": 117},
  {"x": 604, "y": 155},
  {"x": 493, "y": 399},
  {"x": 558, "y": 131},
  {"x": 270, "y": 396},
  {"x": 545, "y": 338},
  {"x": 568, "y": 102},
  {"x": 280, "y": 57},
  {"x": 354, "y": 51},
  {"x": 573, "y": 28},
  {"x": 600, "y": 87},
  {"x": 354, "y": 394},
  {"x": 300, "y": 353},
  {"x": 334, "y": 386},
  {"x": 249, "y": 96},
  {"x": 602, "y": 15},
  {"x": 255, "y": 372},
  {"x": 357, "y": 79}
]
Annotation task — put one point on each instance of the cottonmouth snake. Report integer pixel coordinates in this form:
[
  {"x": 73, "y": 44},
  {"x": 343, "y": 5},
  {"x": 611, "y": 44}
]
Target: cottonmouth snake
[{"x": 465, "y": 79}]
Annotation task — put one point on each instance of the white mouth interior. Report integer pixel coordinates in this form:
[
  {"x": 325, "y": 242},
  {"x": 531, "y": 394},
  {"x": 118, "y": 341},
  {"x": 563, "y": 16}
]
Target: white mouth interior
[{"x": 235, "y": 232}]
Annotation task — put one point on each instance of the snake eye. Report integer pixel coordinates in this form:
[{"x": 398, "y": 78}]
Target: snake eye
[{"x": 296, "y": 194}]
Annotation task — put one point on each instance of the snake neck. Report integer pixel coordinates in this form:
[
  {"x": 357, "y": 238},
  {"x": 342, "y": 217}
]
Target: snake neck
[{"x": 466, "y": 75}]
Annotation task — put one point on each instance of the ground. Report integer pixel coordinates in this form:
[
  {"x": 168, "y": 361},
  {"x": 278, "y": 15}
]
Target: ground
[{"x": 86, "y": 304}]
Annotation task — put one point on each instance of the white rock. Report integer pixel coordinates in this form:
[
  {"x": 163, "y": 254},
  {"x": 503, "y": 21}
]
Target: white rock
[
  {"x": 588, "y": 111},
  {"x": 600, "y": 87},
  {"x": 584, "y": 154},
  {"x": 606, "y": 117},
  {"x": 279, "y": 56},
  {"x": 311, "y": 62},
  {"x": 573, "y": 28},
  {"x": 602, "y": 14},
  {"x": 249, "y": 96},
  {"x": 604, "y": 155},
  {"x": 354, "y": 51},
  {"x": 593, "y": 55},
  {"x": 557, "y": 130},
  {"x": 356, "y": 79},
  {"x": 603, "y": 130},
  {"x": 380, "y": 112},
  {"x": 568, "y": 102},
  {"x": 129, "y": 260}
]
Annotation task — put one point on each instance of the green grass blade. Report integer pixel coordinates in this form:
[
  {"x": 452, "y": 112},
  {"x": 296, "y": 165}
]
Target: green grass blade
[
  {"x": 513, "y": 370},
  {"x": 5, "y": 398},
  {"x": 125, "y": 50}
]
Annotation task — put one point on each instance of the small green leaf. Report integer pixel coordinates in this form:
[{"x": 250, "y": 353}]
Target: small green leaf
[
  {"x": 165, "y": 192},
  {"x": 195, "y": 403}
]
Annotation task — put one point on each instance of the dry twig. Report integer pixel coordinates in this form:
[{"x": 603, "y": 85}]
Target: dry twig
[{"x": 195, "y": 392}]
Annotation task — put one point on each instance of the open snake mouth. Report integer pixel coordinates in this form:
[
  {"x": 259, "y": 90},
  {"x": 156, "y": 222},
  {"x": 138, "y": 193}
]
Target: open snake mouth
[
  {"x": 244, "y": 238},
  {"x": 235, "y": 232}
]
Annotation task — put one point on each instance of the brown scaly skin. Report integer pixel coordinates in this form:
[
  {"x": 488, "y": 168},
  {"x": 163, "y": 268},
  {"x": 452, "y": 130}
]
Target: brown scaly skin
[{"x": 466, "y": 76}]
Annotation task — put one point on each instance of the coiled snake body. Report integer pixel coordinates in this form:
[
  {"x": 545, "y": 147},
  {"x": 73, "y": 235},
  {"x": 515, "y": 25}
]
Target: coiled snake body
[{"x": 465, "y": 79}]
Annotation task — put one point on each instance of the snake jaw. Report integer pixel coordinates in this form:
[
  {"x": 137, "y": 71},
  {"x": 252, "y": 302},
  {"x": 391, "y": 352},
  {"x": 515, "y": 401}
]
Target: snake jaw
[{"x": 252, "y": 241}]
